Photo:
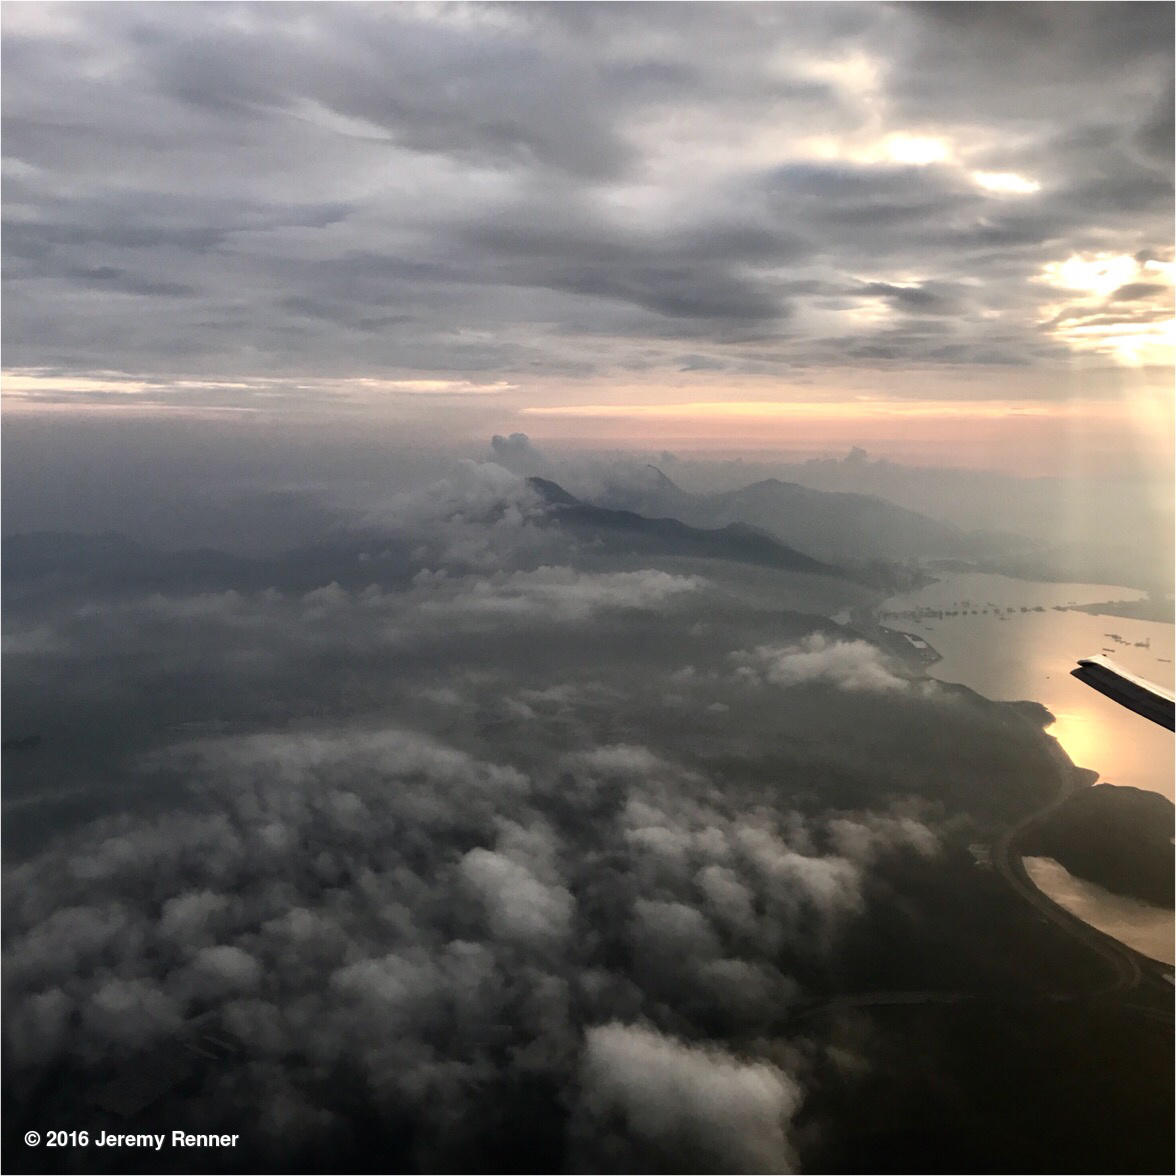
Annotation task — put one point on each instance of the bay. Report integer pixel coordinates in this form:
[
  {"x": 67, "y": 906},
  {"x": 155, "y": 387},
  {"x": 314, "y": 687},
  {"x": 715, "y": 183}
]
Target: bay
[
  {"x": 1019, "y": 639},
  {"x": 1015, "y": 655}
]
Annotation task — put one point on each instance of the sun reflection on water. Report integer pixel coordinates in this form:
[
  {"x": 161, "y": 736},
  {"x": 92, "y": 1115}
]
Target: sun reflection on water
[{"x": 1081, "y": 736}]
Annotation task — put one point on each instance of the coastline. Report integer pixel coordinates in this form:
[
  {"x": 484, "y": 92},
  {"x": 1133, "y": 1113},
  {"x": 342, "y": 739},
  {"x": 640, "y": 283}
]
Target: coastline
[{"x": 1129, "y": 966}]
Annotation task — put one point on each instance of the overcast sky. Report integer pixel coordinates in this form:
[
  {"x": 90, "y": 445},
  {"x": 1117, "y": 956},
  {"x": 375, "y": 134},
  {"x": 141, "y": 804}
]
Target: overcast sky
[{"x": 534, "y": 217}]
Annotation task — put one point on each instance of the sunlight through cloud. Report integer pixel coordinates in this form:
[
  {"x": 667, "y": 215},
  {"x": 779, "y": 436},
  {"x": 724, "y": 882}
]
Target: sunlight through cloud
[
  {"x": 1006, "y": 183},
  {"x": 1116, "y": 304},
  {"x": 918, "y": 150}
]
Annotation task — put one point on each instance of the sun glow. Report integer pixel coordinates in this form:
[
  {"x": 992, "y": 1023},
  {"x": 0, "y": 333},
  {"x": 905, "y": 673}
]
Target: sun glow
[
  {"x": 1114, "y": 304},
  {"x": 1080, "y": 734},
  {"x": 918, "y": 150},
  {"x": 858, "y": 74},
  {"x": 1098, "y": 273},
  {"x": 1006, "y": 183}
]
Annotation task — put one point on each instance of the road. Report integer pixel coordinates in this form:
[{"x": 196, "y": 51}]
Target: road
[
  {"x": 1124, "y": 964},
  {"x": 1128, "y": 971}
]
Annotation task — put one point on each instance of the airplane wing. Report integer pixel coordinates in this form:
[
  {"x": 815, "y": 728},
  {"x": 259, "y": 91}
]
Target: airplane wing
[{"x": 1135, "y": 693}]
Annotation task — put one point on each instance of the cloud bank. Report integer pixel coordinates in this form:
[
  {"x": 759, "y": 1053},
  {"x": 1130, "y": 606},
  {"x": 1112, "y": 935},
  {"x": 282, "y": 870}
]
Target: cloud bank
[
  {"x": 377, "y": 905},
  {"x": 578, "y": 193}
]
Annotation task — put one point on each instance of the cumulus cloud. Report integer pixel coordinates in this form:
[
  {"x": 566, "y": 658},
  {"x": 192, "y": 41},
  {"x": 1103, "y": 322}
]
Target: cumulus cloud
[
  {"x": 481, "y": 516},
  {"x": 519, "y": 905},
  {"x": 129, "y": 1013},
  {"x": 625, "y": 759},
  {"x": 848, "y": 665},
  {"x": 516, "y": 453},
  {"x": 702, "y": 1107},
  {"x": 864, "y": 838},
  {"x": 375, "y": 903},
  {"x": 830, "y": 886},
  {"x": 189, "y": 918}
]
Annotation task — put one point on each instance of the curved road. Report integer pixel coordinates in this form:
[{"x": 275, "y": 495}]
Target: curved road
[
  {"x": 1127, "y": 967},
  {"x": 1006, "y": 860}
]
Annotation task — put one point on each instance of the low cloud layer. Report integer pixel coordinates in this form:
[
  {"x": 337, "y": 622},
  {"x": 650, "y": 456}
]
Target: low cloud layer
[
  {"x": 848, "y": 665},
  {"x": 377, "y": 904},
  {"x": 704, "y": 1106},
  {"x": 562, "y": 594}
]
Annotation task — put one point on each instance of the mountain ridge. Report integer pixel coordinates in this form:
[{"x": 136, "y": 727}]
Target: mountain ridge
[
  {"x": 832, "y": 526},
  {"x": 737, "y": 541}
]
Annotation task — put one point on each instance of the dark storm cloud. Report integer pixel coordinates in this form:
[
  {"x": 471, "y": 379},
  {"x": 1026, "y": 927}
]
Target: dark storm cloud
[{"x": 333, "y": 189}]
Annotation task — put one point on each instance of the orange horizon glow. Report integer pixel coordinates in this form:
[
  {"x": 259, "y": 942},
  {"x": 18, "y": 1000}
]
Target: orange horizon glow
[
  {"x": 1126, "y": 430},
  {"x": 857, "y": 409},
  {"x": 1025, "y": 438}
]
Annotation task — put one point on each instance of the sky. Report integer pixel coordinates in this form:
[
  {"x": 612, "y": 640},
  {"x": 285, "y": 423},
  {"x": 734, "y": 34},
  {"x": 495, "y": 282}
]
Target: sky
[{"x": 941, "y": 231}]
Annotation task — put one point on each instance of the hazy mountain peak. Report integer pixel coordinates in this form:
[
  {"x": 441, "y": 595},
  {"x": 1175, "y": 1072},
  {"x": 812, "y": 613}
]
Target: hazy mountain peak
[
  {"x": 661, "y": 481},
  {"x": 737, "y": 541},
  {"x": 552, "y": 492}
]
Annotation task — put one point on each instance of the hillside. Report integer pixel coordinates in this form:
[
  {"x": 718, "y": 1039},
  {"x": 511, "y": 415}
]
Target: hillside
[
  {"x": 1118, "y": 838},
  {"x": 831, "y": 526},
  {"x": 736, "y": 542}
]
